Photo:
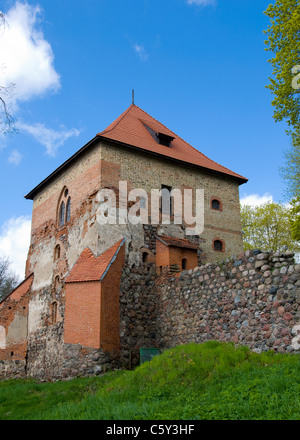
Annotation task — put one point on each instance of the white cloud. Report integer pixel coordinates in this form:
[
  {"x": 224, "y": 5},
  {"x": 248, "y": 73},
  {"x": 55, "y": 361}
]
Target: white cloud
[
  {"x": 140, "y": 50},
  {"x": 51, "y": 139},
  {"x": 26, "y": 57},
  {"x": 15, "y": 157},
  {"x": 201, "y": 2},
  {"x": 256, "y": 199},
  {"x": 14, "y": 242}
]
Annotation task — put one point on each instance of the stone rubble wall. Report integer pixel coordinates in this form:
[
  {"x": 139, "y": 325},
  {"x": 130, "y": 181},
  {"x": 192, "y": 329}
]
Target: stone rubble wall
[
  {"x": 252, "y": 300},
  {"x": 138, "y": 312}
]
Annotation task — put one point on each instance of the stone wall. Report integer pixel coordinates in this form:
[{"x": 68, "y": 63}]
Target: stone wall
[
  {"x": 252, "y": 300},
  {"x": 138, "y": 312}
]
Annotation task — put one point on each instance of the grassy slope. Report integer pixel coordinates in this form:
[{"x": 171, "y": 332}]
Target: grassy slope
[{"x": 212, "y": 381}]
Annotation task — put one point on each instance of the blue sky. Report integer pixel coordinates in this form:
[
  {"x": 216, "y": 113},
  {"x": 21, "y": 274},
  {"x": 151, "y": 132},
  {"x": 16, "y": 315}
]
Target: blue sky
[{"x": 198, "y": 66}]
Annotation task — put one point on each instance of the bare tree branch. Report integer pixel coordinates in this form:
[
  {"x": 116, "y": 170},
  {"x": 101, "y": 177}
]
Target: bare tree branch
[
  {"x": 8, "y": 280},
  {"x": 7, "y": 121}
]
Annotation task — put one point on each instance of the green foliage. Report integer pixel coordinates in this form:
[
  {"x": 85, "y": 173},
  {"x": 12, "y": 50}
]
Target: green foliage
[
  {"x": 291, "y": 170},
  {"x": 211, "y": 381},
  {"x": 268, "y": 227},
  {"x": 283, "y": 41},
  {"x": 295, "y": 222}
]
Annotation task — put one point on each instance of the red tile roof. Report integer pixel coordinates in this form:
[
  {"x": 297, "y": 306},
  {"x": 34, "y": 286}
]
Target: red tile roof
[
  {"x": 130, "y": 128},
  {"x": 20, "y": 290},
  {"x": 91, "y": 268},
  {"x": 177, "y": 242}
]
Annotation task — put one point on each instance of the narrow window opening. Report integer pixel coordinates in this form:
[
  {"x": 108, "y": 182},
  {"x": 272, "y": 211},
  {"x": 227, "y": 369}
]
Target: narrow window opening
[
  {"x": 68, "y": 213},
  {"x": 184, "y": 264},
  {"x": 57, "y": 252},
  {"x": 145, "y": 257},
  {"x": 218, "y": 245},
  {"x": 166, "y": 200},
  {"x": 54, "y": 312},
  {"x": 56, "y": 283},
  {"x": 62, "y": 214}
]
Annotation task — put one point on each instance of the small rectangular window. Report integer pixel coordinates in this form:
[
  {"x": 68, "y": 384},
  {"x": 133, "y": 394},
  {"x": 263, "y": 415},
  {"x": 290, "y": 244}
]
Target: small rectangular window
[{"x": 166, "y": 200}]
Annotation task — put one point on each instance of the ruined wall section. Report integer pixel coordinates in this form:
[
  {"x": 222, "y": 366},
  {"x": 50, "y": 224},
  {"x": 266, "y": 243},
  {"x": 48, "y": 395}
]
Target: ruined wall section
[
  {"x": 82, "y": 179},
  {"x": 47, "y": 303},
  {"x": 251, "y": 300},
  {"x": 13, "y": 330}
]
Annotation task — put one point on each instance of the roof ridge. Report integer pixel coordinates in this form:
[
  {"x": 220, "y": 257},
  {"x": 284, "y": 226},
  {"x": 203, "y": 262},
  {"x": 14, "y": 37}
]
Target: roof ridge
[
  {"x": 87, "y": 256},
  {"x": 117, "y": 247},
  {"x": 17, "y": 287},
  {"x": 116, "y": 121}
]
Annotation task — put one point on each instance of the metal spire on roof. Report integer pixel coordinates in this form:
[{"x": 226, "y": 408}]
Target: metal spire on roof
[{"x": 133, "y": 96}]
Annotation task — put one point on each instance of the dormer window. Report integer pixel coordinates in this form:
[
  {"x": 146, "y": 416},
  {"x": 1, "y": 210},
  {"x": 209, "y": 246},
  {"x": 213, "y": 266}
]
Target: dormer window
[
  {"x": 160, "y": 137},
  {"x": 164, "y": 139}
]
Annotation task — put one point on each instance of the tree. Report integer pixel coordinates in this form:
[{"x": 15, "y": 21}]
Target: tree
[
  {"x": 8, "y": 280},
  {"x": 290, "y": 172},
  {"x": 295, "y": 223},
  {"x": 284, "y": 42},
  {"x": 268, "y": 227},
  {"x": 7, "y": 122}
]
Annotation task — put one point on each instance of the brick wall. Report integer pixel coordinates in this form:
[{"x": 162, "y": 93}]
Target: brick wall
[
  {"x": 92, "y": 316},
  {"x": 167, "y": 256},
  {"x": 13, "y": 325},
  {"x": 110, "y": 308},
  {"x": 82, "y": 313}
]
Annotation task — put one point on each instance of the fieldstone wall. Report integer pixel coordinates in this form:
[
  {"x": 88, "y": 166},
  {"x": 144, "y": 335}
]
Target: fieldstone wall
[
  {"x": 251, "y": 300},
  {"x": 138, "y": 312}
]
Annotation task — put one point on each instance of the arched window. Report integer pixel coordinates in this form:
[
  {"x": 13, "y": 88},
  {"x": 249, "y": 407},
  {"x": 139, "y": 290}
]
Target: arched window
[
  {"x": 218, "y": 245},
  {"x": 57, "y": 252},
  {"x": 145, "y": 257},
  {"x": 62, "y": 213},
  {"x": 64, "y": 207},
  {"x": 56, "y": 283},
  {"x": 68, "y": 213},
  {"x": 216, "y": 204},
  {"x": 184, "y": 264}
]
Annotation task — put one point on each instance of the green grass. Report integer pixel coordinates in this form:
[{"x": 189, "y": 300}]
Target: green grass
[{"x": 211, "y": 381}]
